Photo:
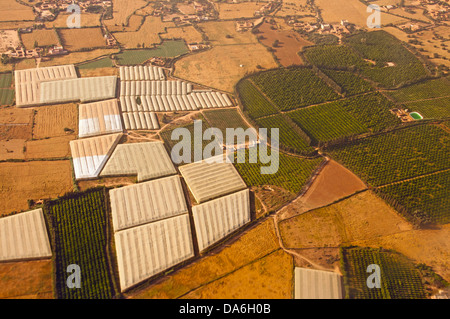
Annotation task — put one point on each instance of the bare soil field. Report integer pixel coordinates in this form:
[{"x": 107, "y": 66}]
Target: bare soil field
[
  {"x": 32, "y": 180},
  {"x": 272, "y": 197},
  {"x": 55, "y": 147},
  {"x": 107, "y": 181},
  {"x": 267, "y": 278},
  {"x": 352, "y": 10},
  {"x": 328, "y": 258},
  {"x": 27, "y": 279},
  {"x": 238, "y": 10},
  {"x": 189, "y": 34},
  {"x": 255, "y": 243},
  {"x": 221, "y": 67},
  {"x": 12, "y": 149},
  {"x": 77, "y": 57},
  {"x": 430, "y": 246},
  {"x": 224, "y": 32},
  {"x": 289, "y": 44},
  {"x": 362, "y": 216},
  {"x": 98, "y": 72},
  {"x": 51, "y": 120},
  {"x": 122, "y": 9},
  {"x": 87, "y": 20},
  {"x": 14, "y": 11},
  {"x": 147, "y": 34},
  {"x": 40, "y": 37},
  {"x": 15, "y": 123},
  {"x": 84, "y": 38}
]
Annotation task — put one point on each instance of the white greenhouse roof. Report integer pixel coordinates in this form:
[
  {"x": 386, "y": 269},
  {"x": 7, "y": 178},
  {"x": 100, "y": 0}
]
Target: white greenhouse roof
[
  {"x": 99, "y": 118},
  {"x": 317, "y": 284},
  {"x": 24, "y": 236},
  {"x": 140, "y": 72},
  {"x": 140, "y": 121},
  {"x": 147, "y": 250},
  {"x": 147, "y": 160},
  {"x": 146, "y": 202},
  {"x": 218, "y": 218}
]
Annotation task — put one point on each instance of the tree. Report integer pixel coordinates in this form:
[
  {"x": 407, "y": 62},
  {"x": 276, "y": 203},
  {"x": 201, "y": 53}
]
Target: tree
[
  {"x": 36, "y": 44},
  {"x": 138, "y": 100},
  {"x": 275, "y": 43}
]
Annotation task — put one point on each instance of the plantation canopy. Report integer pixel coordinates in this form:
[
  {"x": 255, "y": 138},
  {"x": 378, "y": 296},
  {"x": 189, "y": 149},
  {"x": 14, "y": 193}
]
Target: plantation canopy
[
  {"x": 28, "y": 82},
  {"x": 89, "y": 155},
  {"x": 83, "y": 89},
  {"x": 208, "y": 180},
  {"x": 99, "y": 118},
  {"x": 149, "y": 249},
  {"x": 147, "y": 202},
  {"x": 317, "y": 284},
  {"x": 24, "y": 236},
  {"x": 148, "y": 160},
  {"x": 218, "y": 218}
]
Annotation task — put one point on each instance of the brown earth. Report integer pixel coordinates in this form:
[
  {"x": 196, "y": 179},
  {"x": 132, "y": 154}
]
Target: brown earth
[
  {"x": 15, "y": 123},
  {"x": 55, "y": 147},
  {"x": 98, "y": 72},
  {"x": 107, "y": 181},
  {"x": 32, "y": 180},
  {"x": 51, "y": 120},
  {"x": 12, "y": 149},
  {"x": 27, "y": 279},
  {"x": 289, "y": 44},
  {"x": 272, "y": 197},
  {"x": 83, "y": 38}
]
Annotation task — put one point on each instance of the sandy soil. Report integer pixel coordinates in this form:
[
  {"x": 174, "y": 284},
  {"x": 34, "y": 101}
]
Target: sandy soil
[
  {"x": 51, "y": 120},
  {"x": 77, "y": 39},
  {"x": 12, "y": 149},
  {"x": 32, "y": 180},
  {"x": 15, "y": 123},
  {"x": 107, "y": 181},
  {"x": 28, "y": 279},
  {"x": 55, "y": 147}
]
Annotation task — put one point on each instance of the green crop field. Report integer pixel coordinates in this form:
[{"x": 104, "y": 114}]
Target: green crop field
[
  {"x": 326, "y": 122},
  {"x": 294, "y": 87},
  {"x": 101, "y": 63},
  {"x": 6, "y": 96},
  {"x": 288, "y": 136},
  {"x": 334, "y": 56},
  {"x": 429, "y": 194},
  {"x": 398, "y": 155},
  {"x": 223, "y": 119},
  {"x": 254, "y": 103},
  {"x": 431, "y": 109},
  {"x": 349, "y": 82},
  {"x": 424, "y": 90},
  {"x": 292, "y": 174},
  {"x": 399, "y": 278},
  {"x": 5, "y": 80},
  {"x": 80, "y": 226},
  {"x": 166, "y": 49}
]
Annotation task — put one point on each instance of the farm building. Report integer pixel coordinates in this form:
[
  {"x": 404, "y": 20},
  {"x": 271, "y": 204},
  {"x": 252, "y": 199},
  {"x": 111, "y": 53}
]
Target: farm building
[
  {"x": 317, "y": 284},
  {"x": 89, "y": 155},
  {"x": 141, "y": 73},
  {"x": 83, "y": 89},
  {"x": 218, "y": 218},
  {"x": 99, "y": 118},
  {"x": 151, "y": 201},
  {"x": 28, "y": 82},
  {"x": 146, "y": 160},
  {"x": 208, "y": 180},
  {"x": 149, "y": 249},
  {"x": 140, "y": 121},
  {"x": 24, "y": 236}
]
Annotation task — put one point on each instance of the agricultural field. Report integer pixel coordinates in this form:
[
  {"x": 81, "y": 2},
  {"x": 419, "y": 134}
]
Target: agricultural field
[
  {"x": 5, "y": 80},
  {"x": 400, "y": 278},
  {"x": 166, "y": 49},
  {"x": 15, "y": 123},
  {"x": 223, "y": 119},
  {"x": 350, "y": 83},
  {"x": 133, "y": 25},
  {"x": 237, "y": 10},
  {"x": 293, "y": 88},
  {"x": 74, "y": 57},
  {"x": 225, "y": 66},
  {"x": 334, "y": 56},
  {"x": 288, "y": 45},
  {"x": 431, "y": 109},
  {"x": 32, "y": 180},
  {"x": 224, "y": 33},
  {"x": 55, "y": 147},
  {"x": 100, "y": 63},
  {"x": 429, "y": 194},
  {"x": 253, "y": 101},
  {"x": 86, "y": 20},
  {"x": 359, "y": 217},
  {"x": 295, "y": 7},
  {"x": 81, "y": 231},
  {"x": 26, "y": 279},
  {"x": 122, "y": 10},
  {"x": 398, "y": 155},
  {"x": 12, "y": 149},
  {"x": 99, "y": 72},
  {"x": 147, "y": 35},
  {"x": 292, "y": 174},
  {"x": 189, "y": 34},
  {"x": 255, "y": 243},
  {"x": 288, "y": 135},
  {"x": 422, "y": 91},
  {"x": 14, "y": 11},
  {"x": 81, "y": 39},
  {"x": 41, "y": 38},
  {"x": 6, "y": 96},
  {"x": 52, "y": 120}
]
